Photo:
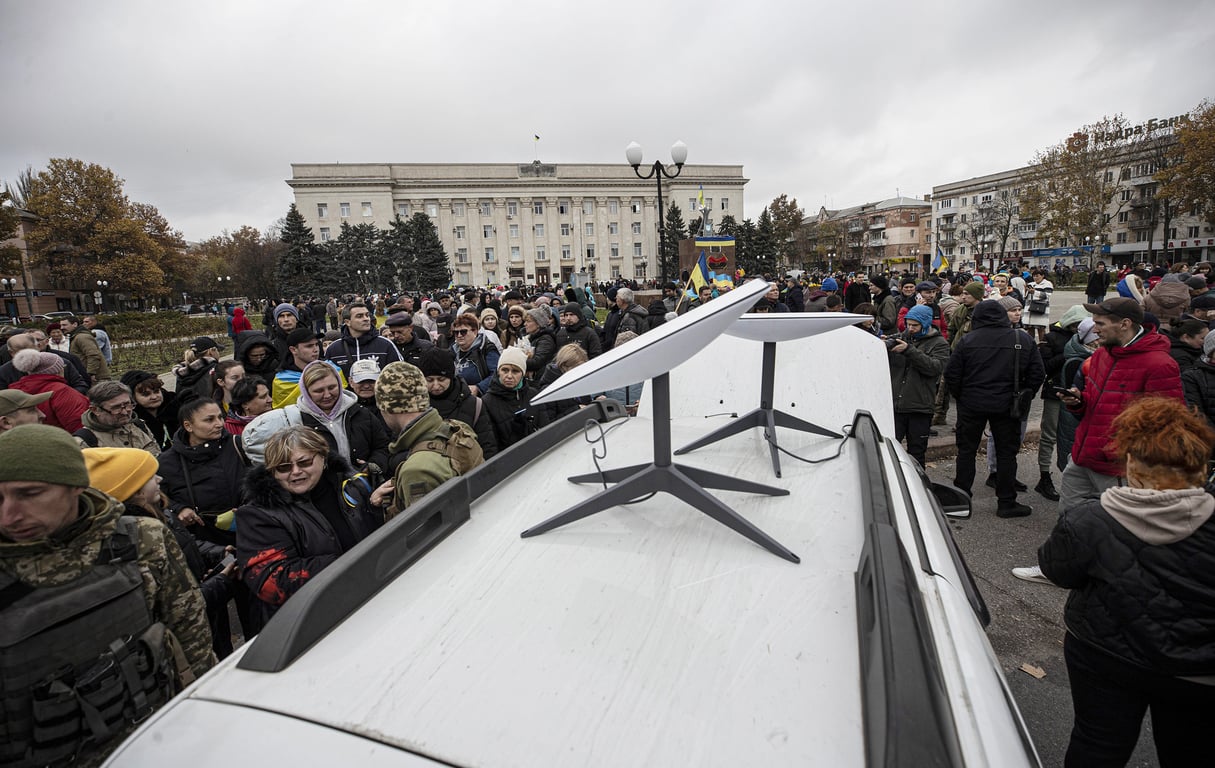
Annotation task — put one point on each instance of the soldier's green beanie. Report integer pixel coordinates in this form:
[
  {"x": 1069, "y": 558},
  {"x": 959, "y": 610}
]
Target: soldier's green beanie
[{"x": 41, "y": 454}]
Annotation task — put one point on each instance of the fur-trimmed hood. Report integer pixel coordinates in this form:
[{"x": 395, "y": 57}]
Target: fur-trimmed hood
[{"x": 262, "y": 490}]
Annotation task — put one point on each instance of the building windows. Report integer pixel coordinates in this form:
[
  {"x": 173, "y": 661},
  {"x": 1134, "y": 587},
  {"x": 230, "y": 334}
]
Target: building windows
[
  {"x": 565, "y": 253},
  {"x": 460, "y": 232},
  {"x": 692, "y": 204},
  {"x": 1191, "y": 232},
  {"x": 1120, "y": 237},
  {"x": 1127, "y": 194},
  {"x": 590, "y": 229},
  {"x": 539, "y": 230},
  {"x": 962, "y": 218},
  {"x": 635, "y": 206},
  {"x": 512, "y": 209},
  {"x": 613, "y": 228},
  {"x": 461, "y": 255},
  {"x": 487, "y": 231},
  {"x": 457, "y": 209},
  {"x": 366, "y": 209},
  {"x": 514, "y": 231},
  {"x": 1124, "y": 217},
  {"x": 1126, "y": 175},
  {"x": 615, "y": 271},
  {"x": 344, "y": 210},
  {"x": 402, "y": 209},
  {"x": 541, "y": 255},
  {"x": 588, "y": 207},
  {"x": 1141, "y": 236},
  {"x": 941, "y": 204},
  {"x": 636, "y": 227},
  {"x": 725, "y": 203},
  {"x": 487, "y": 209},
  {"x": 613, "y": 207},
  {"x": 515, "y": 253},
  {"x": 636, "y": 250},
  {"x": 565, "y": 230},
  {"x": 1109, "y": 176},
  {"x": 563, "y": 207},
  {"x": 491, "y": 276},
  {"x": 1172, "y": 233},
  {"x": 489, "y": 254},
  {"x": 986, "y": 198},
  {"x": 325, "y": 234},
  {"x": 538, "y": 207},
  {"x": 432, "y": 210},
  {"x": 590, "y": 251},
  {"x": 322, "y": 210},
  {"x": 614, "y": 251}
]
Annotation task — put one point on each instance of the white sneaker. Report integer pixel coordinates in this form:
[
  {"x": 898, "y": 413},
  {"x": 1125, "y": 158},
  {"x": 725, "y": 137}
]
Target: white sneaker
[{"x": 1032, "y": 573}]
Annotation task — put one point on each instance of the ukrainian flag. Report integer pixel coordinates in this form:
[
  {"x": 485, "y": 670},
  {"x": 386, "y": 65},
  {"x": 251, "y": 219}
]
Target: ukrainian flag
[
  {"x": 700, "y": 273},
  {"x": 940, "y": 262}
]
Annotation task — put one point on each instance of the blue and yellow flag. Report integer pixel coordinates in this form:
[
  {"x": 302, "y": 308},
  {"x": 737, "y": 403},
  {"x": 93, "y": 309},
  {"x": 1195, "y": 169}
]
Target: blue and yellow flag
[
  {"x": 940, "y": 262},
  {"x": 700, "y": 198},
  {"x": 700, "y": 273}
]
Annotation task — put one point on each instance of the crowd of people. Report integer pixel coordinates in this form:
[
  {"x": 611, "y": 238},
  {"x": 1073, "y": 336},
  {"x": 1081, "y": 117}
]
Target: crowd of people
[{"x": 250, "y": 475}]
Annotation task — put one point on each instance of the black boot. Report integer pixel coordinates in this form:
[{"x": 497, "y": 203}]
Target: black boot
[
  {"x": 1046, "y": 487},
  {"x": 1020, "y": 486}
]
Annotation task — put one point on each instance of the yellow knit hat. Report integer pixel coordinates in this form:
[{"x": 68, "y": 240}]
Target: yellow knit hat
[{"x": 120, "y": 472}]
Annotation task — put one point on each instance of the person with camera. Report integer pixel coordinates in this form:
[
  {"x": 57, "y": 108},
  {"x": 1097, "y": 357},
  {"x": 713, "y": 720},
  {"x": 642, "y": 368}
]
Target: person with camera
[
  {"x": 993, "y": 374},
  {"x": 917, "y": 358}
]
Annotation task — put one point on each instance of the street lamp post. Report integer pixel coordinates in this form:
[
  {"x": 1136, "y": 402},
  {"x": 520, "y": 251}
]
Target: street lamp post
[
  {"x": 830, "y": 263},
  {"x": 10, "y": 284},
  {"x": 679, "y": 155},
  {"x": 98, "y": 296}
]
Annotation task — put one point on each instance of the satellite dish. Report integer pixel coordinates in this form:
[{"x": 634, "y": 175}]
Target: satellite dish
[{"x": 787, "y": 326}]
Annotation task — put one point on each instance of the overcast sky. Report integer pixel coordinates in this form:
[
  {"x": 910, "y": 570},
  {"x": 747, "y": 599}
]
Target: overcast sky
[{"x": 203, "y": 106}]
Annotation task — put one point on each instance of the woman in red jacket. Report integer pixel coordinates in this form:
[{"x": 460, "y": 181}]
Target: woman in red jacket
[{"x": 43, "y": 372}]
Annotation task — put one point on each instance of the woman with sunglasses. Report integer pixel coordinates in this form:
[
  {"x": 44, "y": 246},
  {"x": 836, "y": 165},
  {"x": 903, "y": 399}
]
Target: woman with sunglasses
[
  {"x": 476, "y": 358},
  {"x": 305, "y": 508}
]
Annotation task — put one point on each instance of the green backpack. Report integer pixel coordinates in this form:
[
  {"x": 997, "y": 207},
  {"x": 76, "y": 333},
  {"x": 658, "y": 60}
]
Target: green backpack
[{"x": 459, "y": 445}]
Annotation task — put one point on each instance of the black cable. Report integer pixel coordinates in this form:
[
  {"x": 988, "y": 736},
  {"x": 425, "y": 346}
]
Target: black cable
[
  {"x": 596, "y": 456},
  {"x": 839, "y": 450}
]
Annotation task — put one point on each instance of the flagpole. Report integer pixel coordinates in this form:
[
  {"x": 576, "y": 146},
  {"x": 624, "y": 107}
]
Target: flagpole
[{"x": 684, "y": 293}]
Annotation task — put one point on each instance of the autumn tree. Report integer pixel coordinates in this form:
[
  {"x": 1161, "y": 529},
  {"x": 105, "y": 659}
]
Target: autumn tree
[
  {"x": 88, "y": 230},
  {"x": 993, "y": 225},
  {"x": 787, "y": 219},
  {"x": 673, "y": 232},
  {"x": 1189, "y": 176},
  {"x": 10, "y": 220}
]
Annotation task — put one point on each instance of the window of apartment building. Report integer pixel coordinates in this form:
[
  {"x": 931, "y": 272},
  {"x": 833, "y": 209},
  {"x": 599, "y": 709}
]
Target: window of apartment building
[
  {"x": 961, "y": 233},
  {"x": 344, "y": 210},
  {"x": 565, "y": 253},
  {"x": 402, "y": 209},
  {"x": 590, "y": 228},
  {"x": 540, "y": 230},
  {"x": 460, "y": 232},
  {"x": 512, "y": 209},
  {"x": 322, "y": 210},
  {"x": 962, "y": 250},
  {"x": 944, "y": 204},
  {"x": 541, "y": 255},
  {"x": 692, "y": 205},
  {"x": 912, "y": 218},
  {"x": 1120, "y": 237},
  {"x": 635, "y": 205},
  {"x": 461, "y": 255},
  {"x": 1190, "y": 232},
  {"x": 366, "y": 209},
  {"x": 1196, "y": 209},
  {"x": 489, "y": 254},
  {"x": 491, "y": 276},
  {"x": 637, "y": 250},
  {"x": 515, "y": 253},
  {"x": 613, "y": 228},
  {"x": 614, "y": 251},
  {"x": 1148, "y": 192},
  {"x": 462, "y": 277},
  {"x": 1141, "y": 236},
  {"x": 1124, "y": 217},
  {"x": 1127, "y": 194},
  {"x": 325, "y": 234},
  {"x": 513, "y": 230},
  {"x": 487, "y": 231},
  {"x": 1145, "y": 169},
  {"x": 1109, "y": 176},
  {"x": 1173, "y": 233},
  {"x": 487, "y": 208},
  {"x": 432, "y": 210},
  {"x": 565, "y": 230},
  {"x": 615, "y": 271},
  {"x": 1003, "y": 194},
  {"x": 986, "y": 198},
  {"x": 590, "y": 250},
  {"x": 563, "y": 207},
  {"x": 613, "y": 207},
  {"x": 962, "y": 218},
  {"x": 538, "y": 207},
  {"x": 1125, "y": 175},
  {"x": 636, "y": 227},
  {"x": 457, "y": 209},
  {"x": 588, "y": 207},
  {"x": 725, "y": 203}
]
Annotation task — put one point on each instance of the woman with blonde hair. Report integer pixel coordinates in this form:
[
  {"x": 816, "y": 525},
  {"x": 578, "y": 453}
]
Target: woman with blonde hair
[
  {"x": 1140, "y": 564},
  {"x": 353, "y": 432}
]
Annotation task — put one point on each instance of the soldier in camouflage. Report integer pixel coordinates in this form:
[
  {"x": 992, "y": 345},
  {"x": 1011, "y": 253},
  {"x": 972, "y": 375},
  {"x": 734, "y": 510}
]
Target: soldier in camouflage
[{"x": 61, "y": 545}]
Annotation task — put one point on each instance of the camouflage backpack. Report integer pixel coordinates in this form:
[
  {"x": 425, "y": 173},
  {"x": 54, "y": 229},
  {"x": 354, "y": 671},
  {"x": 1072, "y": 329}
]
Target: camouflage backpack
[{"x": 459, "y": 445}]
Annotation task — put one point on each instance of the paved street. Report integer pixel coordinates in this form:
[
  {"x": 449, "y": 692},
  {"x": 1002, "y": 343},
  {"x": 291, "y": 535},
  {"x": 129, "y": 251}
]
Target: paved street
[{"x": 1027, "y": 619}]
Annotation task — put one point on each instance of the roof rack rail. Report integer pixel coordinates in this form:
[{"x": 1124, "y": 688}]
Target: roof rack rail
[
  {"x": 336, "y": 592},
  {"x": 908, "y": 718}
]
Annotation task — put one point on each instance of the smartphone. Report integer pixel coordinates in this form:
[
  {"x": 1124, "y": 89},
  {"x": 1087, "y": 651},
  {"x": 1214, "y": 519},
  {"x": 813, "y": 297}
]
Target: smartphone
[
  {"x": 229, "y": 559},
  {"x": 1062, "y": 392},
  {"x": 891, "y": 341}
]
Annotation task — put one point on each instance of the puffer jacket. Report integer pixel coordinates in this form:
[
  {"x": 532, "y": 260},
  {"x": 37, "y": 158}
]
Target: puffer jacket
[
  {"x": 915, "y": 372},
  {"x": 1167, "y": 301},
  {"x": 194, "y": 380},
  {"x": 1185, "y": 355},
  {"x": 1198, "y": 384},
  {"x": 1149, "y": 602},
  {"x": 283, "y": 540},
  {"x": 265, "y": 370},
  {"x": 511, "y": 412},
  {"x": 207, "y": 478},
  {"x": 459, "y": 403},
  {"x": 1115, "y": 376},
  {"x": 1053, "y": 350},
  {"x": 66, "y": 405},
  {"x": 980, "y": 371},
  {"x": 544, "y": 348}
]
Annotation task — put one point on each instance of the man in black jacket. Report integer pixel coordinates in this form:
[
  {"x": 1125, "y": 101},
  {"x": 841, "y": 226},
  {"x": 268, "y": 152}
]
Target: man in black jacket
[
  {"x": 574, "y": 330},
  {"x": 398, "y": 328},
  {"x": 980, "y": 375},
  {"x": 1098, "y": 284},
  {"x": 360, "y": 339}
]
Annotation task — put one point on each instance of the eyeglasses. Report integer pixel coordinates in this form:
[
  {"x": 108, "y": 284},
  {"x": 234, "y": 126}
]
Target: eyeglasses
[
  {"x": 460, "y": 331},
  {"x": 286, "y": 467},
  {"x": 118, "y": 409}
]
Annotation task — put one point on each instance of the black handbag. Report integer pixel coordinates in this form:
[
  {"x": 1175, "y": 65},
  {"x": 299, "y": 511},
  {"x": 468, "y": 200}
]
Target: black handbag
[{"x": 1022, "y": 398}]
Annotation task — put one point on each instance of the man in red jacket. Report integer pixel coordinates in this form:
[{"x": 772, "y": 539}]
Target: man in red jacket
[{"x": 1129, "y": 363}]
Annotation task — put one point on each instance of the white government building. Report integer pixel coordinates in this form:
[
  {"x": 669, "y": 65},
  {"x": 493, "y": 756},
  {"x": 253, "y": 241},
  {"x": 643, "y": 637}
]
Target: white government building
[{"x": 524, "y": 223}]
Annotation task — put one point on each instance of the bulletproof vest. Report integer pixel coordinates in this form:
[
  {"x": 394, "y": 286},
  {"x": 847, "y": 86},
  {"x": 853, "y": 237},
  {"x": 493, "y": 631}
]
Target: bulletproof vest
[{"x": 81, "y": 661}]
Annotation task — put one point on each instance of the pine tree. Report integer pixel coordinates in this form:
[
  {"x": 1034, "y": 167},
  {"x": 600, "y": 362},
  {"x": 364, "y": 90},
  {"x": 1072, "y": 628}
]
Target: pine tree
[
  {"x": 764, "y": 246},
  {"x": 298, "y": 263},
  {"x": 429, "y": 258},
  {"x": 744, "y": 241},
  {"x": 728, "y": 226},
  {"x": 397, "y": 245},
  {"x": 674, "y": 231}
]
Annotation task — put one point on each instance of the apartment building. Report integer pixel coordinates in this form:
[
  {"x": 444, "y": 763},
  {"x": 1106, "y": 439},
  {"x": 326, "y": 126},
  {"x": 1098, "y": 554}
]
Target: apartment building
[{"x": 888, "y": 234}]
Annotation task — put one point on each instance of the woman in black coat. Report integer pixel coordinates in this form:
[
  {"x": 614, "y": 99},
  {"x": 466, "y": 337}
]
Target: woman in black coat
[
  {"x": 305, "y": 509},
  {"x": 1140, "y": 564},
  {"x": 154, "y": 404},
  {"x": 509, "y": 401},
  {"x": 451, "y": 397}
]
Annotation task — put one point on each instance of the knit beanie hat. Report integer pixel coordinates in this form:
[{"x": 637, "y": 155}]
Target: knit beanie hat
[
  {"x": 489, "y": 311},
  {"x": 922, "y": 315},
  {"x": 975, "y": 289},
  {"x": 285, "y": 307},
  {"x": 37, "y": 453},
  {"x": 513, "y": 356},
  {"x": 32, "y": 361},
  {"x": 437, "y": 361},
  {"x": 516, "y": 309},
  {"x": 259, "y": 431},
  {"x": 401, "y": 388},
  {"x": 881, "y": 282},
  {"x": 541, "y": 315},
  {"x": 120, "y": 472},
  {"x": 830, "y": 285},
  {"x": 1208, "y": 346},
  {"x": 1009, "y": 303},
  {"x": 134, "y": 378},
  {"x": 1087, "y": 335},
  {"x": 1073, "y": 316},
  {"x": 1197, "y": 283},
  {"x": 572, "y": 308},
  {"x": 909, "y": 280}
]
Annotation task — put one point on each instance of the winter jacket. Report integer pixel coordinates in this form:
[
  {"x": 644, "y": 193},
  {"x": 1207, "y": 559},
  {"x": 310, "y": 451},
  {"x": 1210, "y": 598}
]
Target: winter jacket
[
  {"x": 417, "y": 473},
  {"x": 1140, "y": 565},
  {"x": 855, "y": 294},
  {"x": 1054, "y": 352},
  {"x": 265, "y": 370},
  {"x": 239, "y": 322},
  {"x": 73, "y": 372},
  {"x": 634, "y": 319},
  {"x": 938, "y": 319},
  {"x": 511, "y": 412},
  {"x": 959, "y": 324},
  {"x": 84, "y": 346},
  {"x": 657, "y": 314},
  {"x": 459, "y": 403},
  {"x": 582, "y": 335},
  {"x": 1074, "y": 356},
  {"x": 796, "y": 299},
  {"x": 611, "y": 327},
  {"x": 980, "y": 371},
  {"x": 556, "y": 410},
  {"x": 206, "y": 478},
  {"x": 194, "y": 380},
  {"x": 347, "y": 349},
  {"x": 1098, "y": 284},
  {"x": 353, "y": 432},
  {"x": 162, "y": 422},
  {"x": 412, "y": 352},
  {"x": 544, "y": 348},
  {"x": 887, "y": 311},
  {"x": 1185, "y": 355},
  {"x": 1167, "y": 301},
  {"x": 66, "y": 405},
  {"x": 283, "y": 540},
  {"x": 915, "y": 371},
  {"x": 1114, "y": 377},
  {"x": 477, "y": 365},
  {"x": 816, "y": 301},
  {"x": 133, "y": 434},
  {"x": 1198, "y": 384}
]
